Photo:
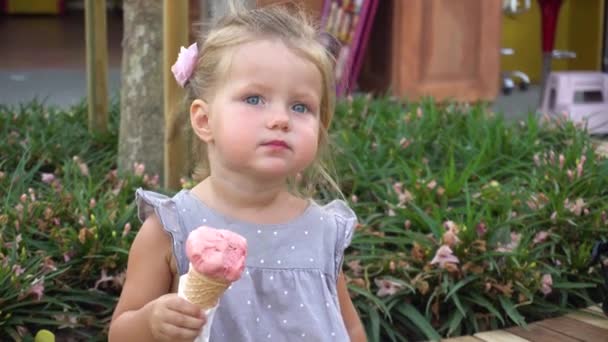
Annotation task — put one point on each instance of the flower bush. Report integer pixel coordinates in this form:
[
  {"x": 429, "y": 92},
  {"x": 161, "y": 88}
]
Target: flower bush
[
  {"x": 65, "y": 225},
  {"x": 467, "y": 222}
]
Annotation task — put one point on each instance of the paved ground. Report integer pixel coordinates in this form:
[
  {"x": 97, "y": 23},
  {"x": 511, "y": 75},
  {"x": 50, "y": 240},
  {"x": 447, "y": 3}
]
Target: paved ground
[
  {"x": 58, "y": 87},
  {"x": 519, "y": 103}
]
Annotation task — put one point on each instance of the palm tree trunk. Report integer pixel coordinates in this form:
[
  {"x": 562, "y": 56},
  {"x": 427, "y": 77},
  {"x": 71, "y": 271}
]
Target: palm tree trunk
[{"x": 141, "y": 97}]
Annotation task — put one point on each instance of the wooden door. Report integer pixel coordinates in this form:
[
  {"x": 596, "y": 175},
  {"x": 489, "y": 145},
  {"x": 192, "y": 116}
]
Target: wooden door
[{"x": 441, "y": 48}]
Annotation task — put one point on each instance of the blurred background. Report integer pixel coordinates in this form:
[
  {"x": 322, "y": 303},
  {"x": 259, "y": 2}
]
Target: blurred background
[{"x": 464, "y": 49}]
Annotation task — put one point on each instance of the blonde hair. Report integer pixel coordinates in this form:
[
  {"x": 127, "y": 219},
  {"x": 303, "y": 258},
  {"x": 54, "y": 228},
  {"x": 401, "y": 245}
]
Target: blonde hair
[{"x": 293, "y": 27}]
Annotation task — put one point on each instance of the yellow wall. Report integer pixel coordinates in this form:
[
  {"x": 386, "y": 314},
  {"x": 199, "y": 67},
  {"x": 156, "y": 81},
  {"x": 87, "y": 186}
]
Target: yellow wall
[
  {"x": 580, "y": 29},
  {"x": 33, "y": 6}
]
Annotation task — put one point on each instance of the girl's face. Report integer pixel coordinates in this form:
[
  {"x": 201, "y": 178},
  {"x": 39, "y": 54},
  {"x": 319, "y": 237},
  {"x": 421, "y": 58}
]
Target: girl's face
[{"x": 264, "y": 117}]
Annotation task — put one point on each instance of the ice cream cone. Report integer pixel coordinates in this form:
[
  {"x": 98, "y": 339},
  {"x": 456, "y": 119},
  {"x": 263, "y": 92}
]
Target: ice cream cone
[{"x": 202, "y": 290}]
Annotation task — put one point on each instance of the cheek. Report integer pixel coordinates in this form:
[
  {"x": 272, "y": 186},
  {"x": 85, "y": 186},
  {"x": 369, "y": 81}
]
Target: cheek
[
  {"x": 310, "y": 137},
  {"x": 235, "y": 141},
  {"x": 235, "y": 125}
]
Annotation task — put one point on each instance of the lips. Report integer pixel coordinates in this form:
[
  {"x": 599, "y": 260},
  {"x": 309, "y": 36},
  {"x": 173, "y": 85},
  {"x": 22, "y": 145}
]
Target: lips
[{"x": 276, "y": 144}]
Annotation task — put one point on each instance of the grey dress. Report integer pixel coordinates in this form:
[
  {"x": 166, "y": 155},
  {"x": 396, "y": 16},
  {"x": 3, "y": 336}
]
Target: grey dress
[{"x": 288, "y": 289}]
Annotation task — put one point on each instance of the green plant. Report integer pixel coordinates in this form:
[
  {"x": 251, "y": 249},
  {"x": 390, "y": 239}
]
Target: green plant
[
  {"x": 518, "y": 204},
  {"x": 65, "y": 222},
  {"x": 467, "y": 222}
]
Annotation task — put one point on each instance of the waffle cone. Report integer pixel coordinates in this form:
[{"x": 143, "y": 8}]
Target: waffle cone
[{"x": 202, "y": 290}]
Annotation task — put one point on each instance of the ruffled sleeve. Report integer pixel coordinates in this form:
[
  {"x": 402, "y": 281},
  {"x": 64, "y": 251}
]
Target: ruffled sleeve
[
  {"x": 166, "y": 210},
  {"x": 346, "y": 221}
]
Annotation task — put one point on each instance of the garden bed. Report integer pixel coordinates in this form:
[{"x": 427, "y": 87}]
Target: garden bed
[{"x": 467, "y": 222}]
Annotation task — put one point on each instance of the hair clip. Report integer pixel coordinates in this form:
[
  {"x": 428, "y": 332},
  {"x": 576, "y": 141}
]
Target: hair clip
[{"x": 184, "y": 66}]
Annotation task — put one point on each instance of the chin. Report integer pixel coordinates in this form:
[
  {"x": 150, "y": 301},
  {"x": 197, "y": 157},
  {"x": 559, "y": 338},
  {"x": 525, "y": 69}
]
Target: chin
[{"x": 274, "y": 172}]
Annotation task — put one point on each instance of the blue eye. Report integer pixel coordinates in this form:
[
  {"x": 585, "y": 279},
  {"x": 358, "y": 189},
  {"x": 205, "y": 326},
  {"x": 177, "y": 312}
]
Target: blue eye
[
  {"x": 300, "y": 108},
  {"x": 253, "y": 100}
]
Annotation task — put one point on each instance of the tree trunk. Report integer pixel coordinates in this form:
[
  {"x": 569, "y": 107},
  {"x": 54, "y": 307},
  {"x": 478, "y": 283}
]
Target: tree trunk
[{"x": 141, "y": 97}]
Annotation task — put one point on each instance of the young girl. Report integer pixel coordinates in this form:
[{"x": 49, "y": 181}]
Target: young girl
[{"x": 262, "y": 92}]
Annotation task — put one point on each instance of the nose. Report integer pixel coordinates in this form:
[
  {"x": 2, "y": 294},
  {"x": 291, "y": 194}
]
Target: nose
[{"x": 279, "y": 119}]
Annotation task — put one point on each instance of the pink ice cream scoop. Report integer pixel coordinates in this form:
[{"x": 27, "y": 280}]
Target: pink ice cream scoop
[{"x": 217, "y": 253}]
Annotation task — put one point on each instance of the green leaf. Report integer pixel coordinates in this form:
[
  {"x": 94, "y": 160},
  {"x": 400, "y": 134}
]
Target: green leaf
[
  {"x": 374, "y": 325},
  {"x": 511, "y": 310},
  {"x": 379, "y": 304},
  {"x": 419, "y": 320},
  {"x": 570, "y": 285},
  {"x": 459, "y": 285},
  {"x": 454, "y": 321},
  {"x": 430, "y": 223},
  {"x": 476, "y": 298},
  {"x": 458, "y": 304}
]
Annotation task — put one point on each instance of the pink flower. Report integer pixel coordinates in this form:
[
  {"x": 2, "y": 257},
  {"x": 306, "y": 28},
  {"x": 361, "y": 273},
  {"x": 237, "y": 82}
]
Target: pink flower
[
  {"x": 577, "y": 207},
  {"x": 546, "y": 284},
  {"x": 387, "y": 287},
  {"x": 481, "y": 229},
  {"x": 68, "y": 321},
  {"x": 37, "y": 288},
  {"x": 126, "y": 229},
  {"x": 84, "y": 168},
  {"x": 541, "y": 237},
  {"x": 112, "y": 175},
  {"x": 32, "y": 194},
  {"x": 47, "y": 178},
  {"x": 407, "y": 224},
  {"x": 450, "y": 226},
  {"x": 444, "y": 255},
  {"x": 355, "y": 265},
  {"x": 184, "y": 66},
  {"x": 67, "y": 256},
  {"x": 404, "y": 195},
  {"x": 570, "y": 174},
  {"x": 139, "y": 169},
  {"x": 450, "y": 237},
  {"x": 18, "y": 270},
  {"x": 515, "y": 237},
  {"x": 580, "y": 166},
  {"x": 49, "y": 264},
  {"x": 104, "y": 278},
  {"x": 404, "y": 143}
]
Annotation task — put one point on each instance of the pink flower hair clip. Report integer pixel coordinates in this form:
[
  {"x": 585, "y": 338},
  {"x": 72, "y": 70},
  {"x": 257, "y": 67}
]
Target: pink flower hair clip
[{"x": 185, "y": 64}]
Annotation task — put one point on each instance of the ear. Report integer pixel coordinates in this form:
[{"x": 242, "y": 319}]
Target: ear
[{"x": 199, "y": 119}]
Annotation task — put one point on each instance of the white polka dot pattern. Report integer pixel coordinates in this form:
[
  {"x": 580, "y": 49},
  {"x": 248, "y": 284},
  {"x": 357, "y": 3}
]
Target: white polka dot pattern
[{"x": 287, "y": 291}]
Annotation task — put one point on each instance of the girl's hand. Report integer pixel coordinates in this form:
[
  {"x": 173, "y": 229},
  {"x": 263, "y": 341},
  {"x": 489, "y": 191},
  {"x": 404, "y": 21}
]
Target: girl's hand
[{"x": 173, "y": 318}]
